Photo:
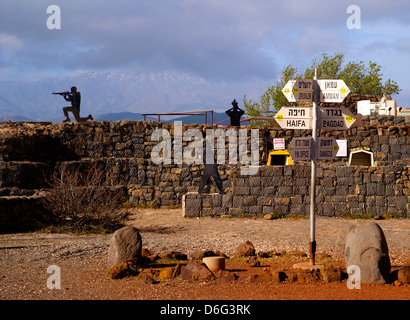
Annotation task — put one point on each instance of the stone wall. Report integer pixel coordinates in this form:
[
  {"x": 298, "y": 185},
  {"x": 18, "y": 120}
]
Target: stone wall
[
  {"x": 22, "y": 214},
  {"x": 30, "y": 152},
  {"x": 340, "y": 191}
]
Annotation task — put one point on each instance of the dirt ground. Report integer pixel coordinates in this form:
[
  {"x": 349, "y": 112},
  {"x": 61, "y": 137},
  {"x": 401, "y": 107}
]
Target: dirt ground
[{"x": 82, "y": 259}]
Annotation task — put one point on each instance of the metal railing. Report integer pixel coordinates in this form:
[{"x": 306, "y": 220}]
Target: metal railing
[{"x": 198, "y": 113}]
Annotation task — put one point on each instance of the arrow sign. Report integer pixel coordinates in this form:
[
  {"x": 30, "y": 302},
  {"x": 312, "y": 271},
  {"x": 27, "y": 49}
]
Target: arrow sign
[
  {"x": 303, "y": 90},
  {"x": 335, "y": 119},
  {"x": 300, "y": 149},
  {"x": 327, "y": 148},
  {"x": 294, "y": 118},
  {"x": 287, "y": 91},
  {"x": 333, "y": 90}
]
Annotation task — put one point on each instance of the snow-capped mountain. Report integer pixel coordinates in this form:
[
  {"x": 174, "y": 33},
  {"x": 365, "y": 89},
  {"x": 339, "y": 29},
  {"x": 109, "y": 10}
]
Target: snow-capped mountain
[{"x": 115, "y": 91}]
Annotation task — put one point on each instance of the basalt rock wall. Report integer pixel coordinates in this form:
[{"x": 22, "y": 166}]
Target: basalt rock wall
[{"x": 31, "y": 152}]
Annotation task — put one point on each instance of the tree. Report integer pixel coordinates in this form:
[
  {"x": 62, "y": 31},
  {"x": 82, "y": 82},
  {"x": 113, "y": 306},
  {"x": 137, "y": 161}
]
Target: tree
[{"x": 359, "y": 77}]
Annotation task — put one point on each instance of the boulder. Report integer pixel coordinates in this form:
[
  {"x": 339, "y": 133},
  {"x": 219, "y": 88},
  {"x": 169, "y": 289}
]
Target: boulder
[
  {"x": 196, "y": 271},
  {"x": 366, "y": 247},
  {"x": 125, "y": 245},
  {"x": 245, "y": 249}
]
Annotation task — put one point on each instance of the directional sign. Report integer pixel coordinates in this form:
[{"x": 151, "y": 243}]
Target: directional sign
[
  {"x": 333, "y": 90},
  {"x": 300, "y": 149},
  {"x": 294, "y": 118},
  {"x": 335, "y": 119},
  {"x": 287, "y": 91},
  {"x": 303, "y": 90},
  {"x": 327, "y": 148}
]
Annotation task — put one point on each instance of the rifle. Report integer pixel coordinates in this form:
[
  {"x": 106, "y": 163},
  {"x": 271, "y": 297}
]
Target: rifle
[{"x": 62, "y": 93}]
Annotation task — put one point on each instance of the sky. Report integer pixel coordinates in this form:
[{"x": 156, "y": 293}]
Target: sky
[{"x": 218, "y": 40}]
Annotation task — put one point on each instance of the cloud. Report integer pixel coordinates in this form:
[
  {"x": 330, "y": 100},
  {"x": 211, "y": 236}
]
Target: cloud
[
  {"x": 10, "y": 42},
  {"x": 221, "y": 40}
]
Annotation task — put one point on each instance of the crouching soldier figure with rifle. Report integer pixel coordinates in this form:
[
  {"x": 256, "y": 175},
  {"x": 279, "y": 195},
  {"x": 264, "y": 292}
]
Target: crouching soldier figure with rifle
[{"x": 75, "y": 98}]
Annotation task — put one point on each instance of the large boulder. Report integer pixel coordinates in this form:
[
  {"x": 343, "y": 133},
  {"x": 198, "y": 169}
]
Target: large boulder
[
  {"x": 366, "y": 247},
  {"x": 125, "y": 245}
]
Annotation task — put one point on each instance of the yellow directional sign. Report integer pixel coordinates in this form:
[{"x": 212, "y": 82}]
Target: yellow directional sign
[
  {"x": 333, "y": 90},
  {"x": 287, "y": 91},
  {"x": 327, "y": 148},
  {"x": 335, "y": 119},
  {"x": 303, "y": 90},
  {"x": 294, "y": 118}
]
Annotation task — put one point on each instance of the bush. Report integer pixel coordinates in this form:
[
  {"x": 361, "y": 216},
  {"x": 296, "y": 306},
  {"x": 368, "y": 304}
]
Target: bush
[{"x": 83, "y": 201}]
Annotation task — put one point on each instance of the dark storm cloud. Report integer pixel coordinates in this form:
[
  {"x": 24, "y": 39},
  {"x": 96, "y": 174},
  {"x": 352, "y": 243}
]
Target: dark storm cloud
[
  {"x": 212, "y": 38},
  {"x": 218, "y": 39}
]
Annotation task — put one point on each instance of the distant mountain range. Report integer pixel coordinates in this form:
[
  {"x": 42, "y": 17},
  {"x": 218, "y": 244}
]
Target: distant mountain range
[
  {"x": 117, "y": 95},
  {"x": 219, "y": 117}
]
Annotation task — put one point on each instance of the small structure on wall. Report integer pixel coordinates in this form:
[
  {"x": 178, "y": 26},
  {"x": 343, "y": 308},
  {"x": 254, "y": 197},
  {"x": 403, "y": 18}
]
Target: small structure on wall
[
  {"x": 361, "y": 157},
  {"x": 279, "y": 158}
]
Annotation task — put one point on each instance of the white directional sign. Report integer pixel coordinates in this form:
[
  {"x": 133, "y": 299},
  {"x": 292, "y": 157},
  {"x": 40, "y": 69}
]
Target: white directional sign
[
  {"x": 287, "y": 91},
  {"x": 335, "y": 119},
  {"x": 327, "y": 148},
  {"x": 300, "y": 149},
  {"x": 333, "y": 90},
  {"x": 303, "y": 90},
  {"x": 294, "y": 118}
]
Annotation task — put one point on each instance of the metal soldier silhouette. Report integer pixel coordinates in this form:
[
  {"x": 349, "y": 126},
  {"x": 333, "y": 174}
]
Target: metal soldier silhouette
[
  {"x": 210, "y": 170},
  {"x": 235, "y": 114},
  {"x": 75, "y": 98}
]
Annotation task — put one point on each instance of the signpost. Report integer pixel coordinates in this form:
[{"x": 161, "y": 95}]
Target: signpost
[
  {"x": 335, "y": 119},
  {"x": 294, "y": 118},
  {"x": 333, "y": 90},
  {"x": 314, "y": 148},
  {"x": 287, "y": 91},
  {"x": 303, "y": 90},
  {"x": 300, "y": 149},
  {"x": 327, "y": 148}
]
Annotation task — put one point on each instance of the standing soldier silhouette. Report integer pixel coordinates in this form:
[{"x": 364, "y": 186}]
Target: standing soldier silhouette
[
  {"x": 235, "y": 114},
  {"x": 210, "y": 170}
]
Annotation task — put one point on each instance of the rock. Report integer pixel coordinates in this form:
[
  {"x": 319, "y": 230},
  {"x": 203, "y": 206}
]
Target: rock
[
  {"x": 125, "y": 245},
  {"x": 268, "y": 216},
  {"x": 245, "y": 249},
  {"x": 264, "y": 254},
  {"x": 366, "y": 247},
  {"x": 199, "y": 255},
  {"x": 404, "y": 274},
  {"x": 122, "y": 270},
  {"x": 278, "y": 276},
  {"x": 331, "y": 273},
  {"x": 148, "y": 256},
  {"x": 253, "y": 261},
  {"x": 307, "y": 276},
  {"x": 227, "y": 276},
  {"x": 196, "y": 271},
  {"x": 169, "y": 272},
  {"x": 260, "y": 278},
  {"x": 175, "y": 255},
  {"x": 147, "y": 276}
]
